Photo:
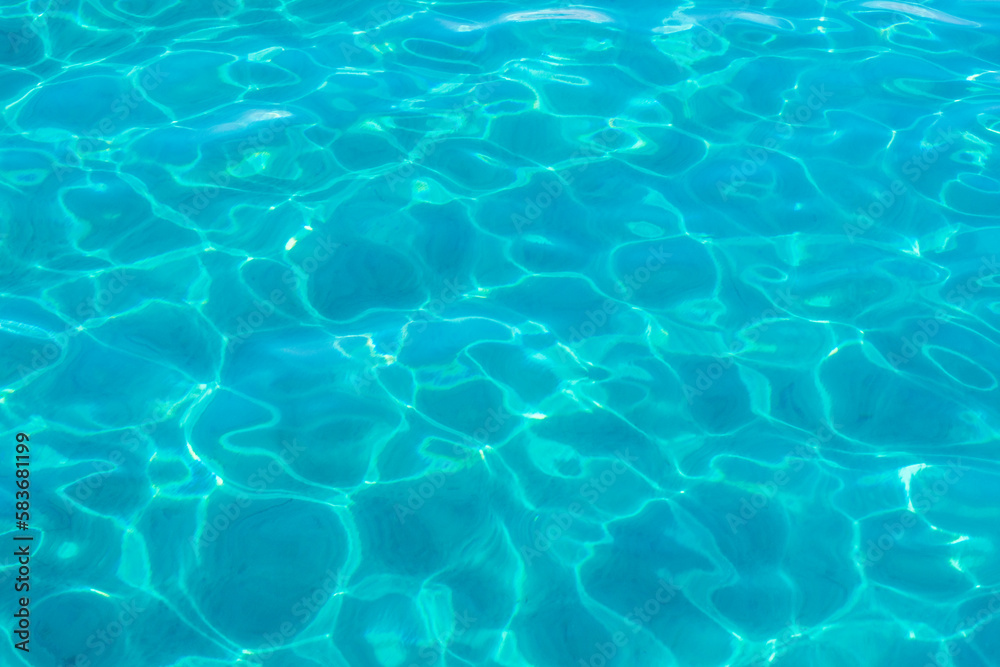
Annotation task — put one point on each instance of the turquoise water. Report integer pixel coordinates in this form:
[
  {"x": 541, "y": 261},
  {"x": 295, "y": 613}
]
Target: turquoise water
[{"x": 493, "y": 334}]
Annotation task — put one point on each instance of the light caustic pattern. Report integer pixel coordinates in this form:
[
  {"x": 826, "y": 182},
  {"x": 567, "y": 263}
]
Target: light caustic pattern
[{"x": 466, "y": 333}]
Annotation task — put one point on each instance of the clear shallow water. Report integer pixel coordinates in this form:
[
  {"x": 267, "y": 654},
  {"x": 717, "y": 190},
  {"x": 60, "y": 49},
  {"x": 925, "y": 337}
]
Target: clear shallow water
[{"x": 494, "y": 334}]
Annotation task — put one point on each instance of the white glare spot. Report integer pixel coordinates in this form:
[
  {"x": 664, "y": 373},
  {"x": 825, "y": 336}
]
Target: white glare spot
[
  {"x": 264, "y": 55},
  {"x": 247, "y": 119},
  {"x": 68, "y": 550},
  {"x": 904, "y": 475},
  {"x": 291, "y": 243}
]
